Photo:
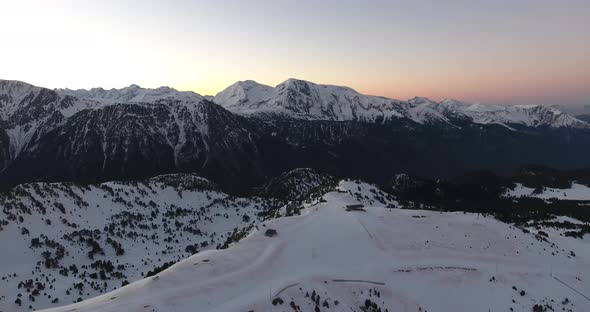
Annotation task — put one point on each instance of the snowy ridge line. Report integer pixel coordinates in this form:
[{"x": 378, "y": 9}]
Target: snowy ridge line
[
  {"x": 133, "y": 93},
  {"x": 306, "y": 100}
]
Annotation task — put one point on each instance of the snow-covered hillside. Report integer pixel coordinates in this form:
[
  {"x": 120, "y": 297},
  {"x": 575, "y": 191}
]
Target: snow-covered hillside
[
  {"x": 63, "y": 242},
  {"x": 335, "y": 257},
  {"x": 574, "y": 192},
  {"x": 307, "y": 100}
]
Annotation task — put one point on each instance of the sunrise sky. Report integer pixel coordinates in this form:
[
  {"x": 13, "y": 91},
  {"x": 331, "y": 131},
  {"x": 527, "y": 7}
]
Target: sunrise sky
[{"x": 496, "y": 51}]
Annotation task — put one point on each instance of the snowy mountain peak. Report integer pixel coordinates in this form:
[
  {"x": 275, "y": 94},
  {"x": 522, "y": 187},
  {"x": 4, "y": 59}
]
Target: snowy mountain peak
[
  {"x": 303, "y": 85},
  {"x": 418, "y": 100},
  {"x": 306, "y": 100},
  {"x": 244, "y": 92}
]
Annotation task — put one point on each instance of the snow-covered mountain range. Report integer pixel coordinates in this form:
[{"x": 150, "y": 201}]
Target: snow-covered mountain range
[
  {"x": 130, "y": 125},
  {"x": 303, "y": 99},
  {"x": 133, "y": 93},
  {"x": 99, "y": 135},
  {"x": 307, "y": 100},
  {"x": 27, "y": 111}
]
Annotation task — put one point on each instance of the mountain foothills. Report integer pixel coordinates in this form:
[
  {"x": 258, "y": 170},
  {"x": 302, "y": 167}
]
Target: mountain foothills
[{"x": 250, "y": 132}]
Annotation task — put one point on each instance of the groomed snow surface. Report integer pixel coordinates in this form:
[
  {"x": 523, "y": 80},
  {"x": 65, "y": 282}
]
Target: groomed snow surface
[{"x": 399, "y": 260}]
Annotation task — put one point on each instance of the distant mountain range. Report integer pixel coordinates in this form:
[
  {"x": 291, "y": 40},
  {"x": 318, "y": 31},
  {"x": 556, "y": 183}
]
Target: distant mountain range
[
  {"x": 307, "y": 100},
  {"x": 301, "y": 99},
  {"x": 250, "y": 132}
]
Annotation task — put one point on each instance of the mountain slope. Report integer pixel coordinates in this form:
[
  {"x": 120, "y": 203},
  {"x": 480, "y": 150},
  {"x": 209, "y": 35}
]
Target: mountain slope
[
  {"x": 28, "y": 112},
  {"x": 63, "y": 242},
  {"x": 334, "y": 259},
  {"x": 139, "y": 140}
]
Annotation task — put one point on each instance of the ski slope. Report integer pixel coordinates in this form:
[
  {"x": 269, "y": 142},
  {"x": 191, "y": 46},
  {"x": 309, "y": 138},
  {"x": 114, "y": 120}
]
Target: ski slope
[{"x": 332, "y": 259}]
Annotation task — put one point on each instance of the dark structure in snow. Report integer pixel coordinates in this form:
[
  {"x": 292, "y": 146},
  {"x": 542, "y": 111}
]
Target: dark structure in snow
[
  {"x": 270, "y": 233},
  {"x": 357, "y": 207}
]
